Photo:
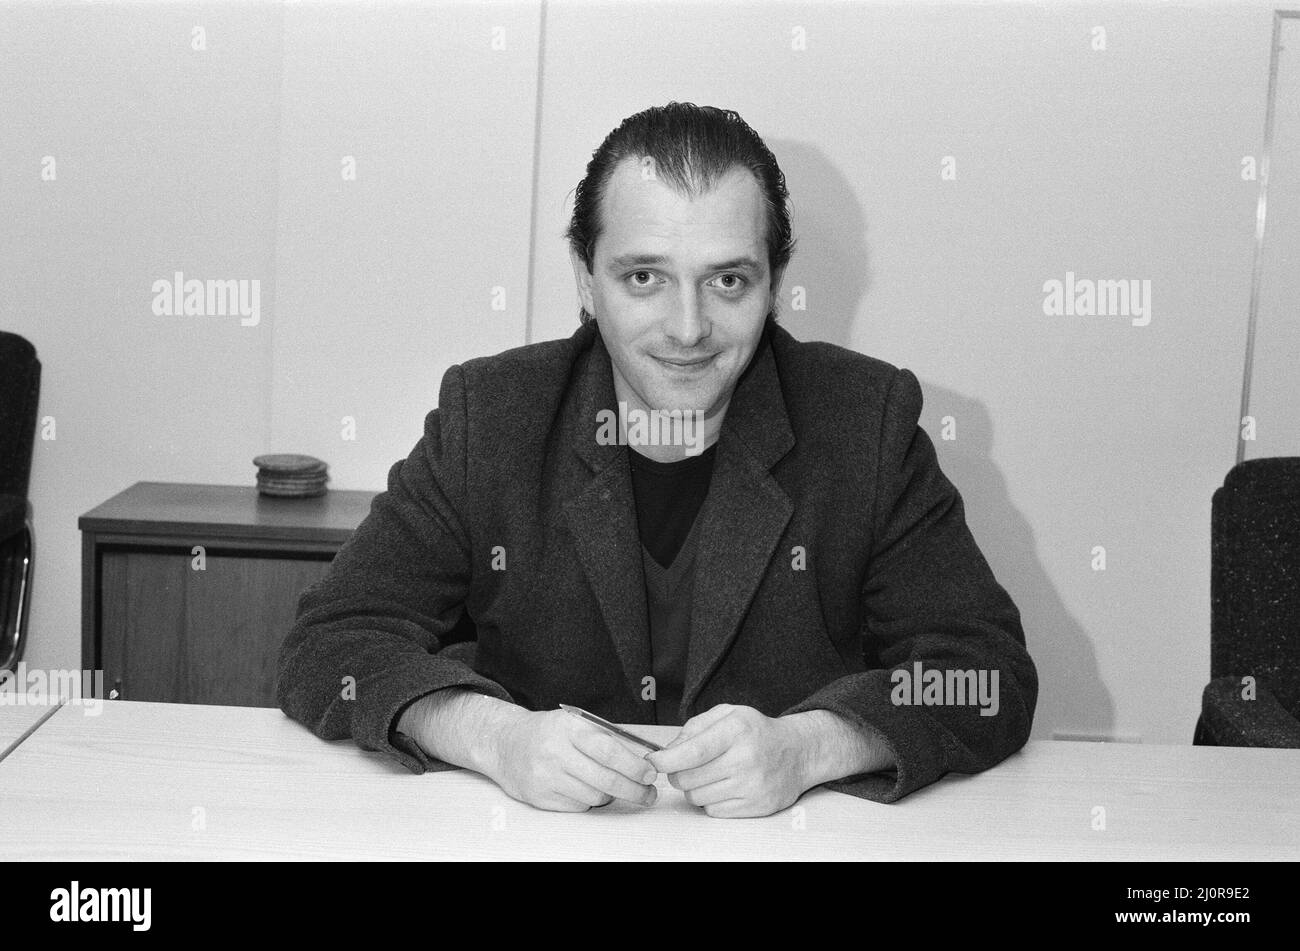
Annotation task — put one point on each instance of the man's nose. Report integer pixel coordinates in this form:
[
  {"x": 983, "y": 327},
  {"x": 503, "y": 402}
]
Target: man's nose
[{"x": 688, "y": 324}]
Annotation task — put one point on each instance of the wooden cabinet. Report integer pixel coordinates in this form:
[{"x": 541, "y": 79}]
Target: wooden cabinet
[{"x": 166, "y": 622}]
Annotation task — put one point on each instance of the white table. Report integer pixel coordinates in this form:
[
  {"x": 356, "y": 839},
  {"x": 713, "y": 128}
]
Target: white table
[{"x": 171, "y": 781}]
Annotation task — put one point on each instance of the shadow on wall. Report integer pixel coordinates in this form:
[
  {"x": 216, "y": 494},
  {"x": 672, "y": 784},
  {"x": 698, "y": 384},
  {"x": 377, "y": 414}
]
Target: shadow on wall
[
  {"x": 1071, "y": 694},
  {"x": 832, "y": 259}
]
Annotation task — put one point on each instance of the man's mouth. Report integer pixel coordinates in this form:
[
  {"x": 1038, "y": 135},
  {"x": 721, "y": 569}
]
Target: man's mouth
[{"x": 686, "y": 363}]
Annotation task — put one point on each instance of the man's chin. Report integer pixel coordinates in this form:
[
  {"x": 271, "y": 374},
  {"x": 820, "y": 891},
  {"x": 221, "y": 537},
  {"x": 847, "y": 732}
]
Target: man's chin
[
  {"x": 702, "y": 395},
  {"x": 683, "y": 402}
]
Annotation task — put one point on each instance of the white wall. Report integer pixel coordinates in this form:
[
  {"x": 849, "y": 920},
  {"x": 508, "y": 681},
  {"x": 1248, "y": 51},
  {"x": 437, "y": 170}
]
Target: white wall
[
  {"x": 1071, "y": 432},
  {"x": 386, "y": 281}
]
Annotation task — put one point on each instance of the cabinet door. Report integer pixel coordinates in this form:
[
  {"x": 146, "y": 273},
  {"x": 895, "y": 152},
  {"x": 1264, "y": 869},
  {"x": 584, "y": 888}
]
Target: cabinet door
[{"x": 173, "y": 633}]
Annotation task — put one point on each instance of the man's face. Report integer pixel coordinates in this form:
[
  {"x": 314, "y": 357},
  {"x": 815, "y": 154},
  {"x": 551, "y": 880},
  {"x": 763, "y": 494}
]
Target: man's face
[{"x": 680, "y": 288}]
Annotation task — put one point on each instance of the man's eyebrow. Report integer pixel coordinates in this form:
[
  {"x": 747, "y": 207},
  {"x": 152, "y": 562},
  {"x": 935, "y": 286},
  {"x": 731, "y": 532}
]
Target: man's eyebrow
[{"x": 742, "y": 263}]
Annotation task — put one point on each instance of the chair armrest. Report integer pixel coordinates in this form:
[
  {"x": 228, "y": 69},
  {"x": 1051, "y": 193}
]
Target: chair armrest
[{"x": 1231, "y": 721}]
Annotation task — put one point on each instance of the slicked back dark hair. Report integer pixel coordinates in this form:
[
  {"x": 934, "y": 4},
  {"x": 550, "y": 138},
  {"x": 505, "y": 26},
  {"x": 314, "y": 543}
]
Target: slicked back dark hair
[{"x": 690, "y": 148}]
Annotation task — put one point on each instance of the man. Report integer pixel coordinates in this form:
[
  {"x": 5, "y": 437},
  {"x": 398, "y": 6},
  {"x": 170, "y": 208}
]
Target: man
[{"x": 770, "y": 579}]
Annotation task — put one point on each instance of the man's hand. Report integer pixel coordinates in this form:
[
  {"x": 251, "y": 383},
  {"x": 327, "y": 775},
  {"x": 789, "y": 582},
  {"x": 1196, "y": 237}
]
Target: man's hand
[
  {"x": 550, "y": 760},
  {"x": 736, "y": 762},
  {"x": 555, "y": 761}
]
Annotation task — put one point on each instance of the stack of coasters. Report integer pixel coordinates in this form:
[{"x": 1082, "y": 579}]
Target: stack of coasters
[{"x": 289, "y": 476}]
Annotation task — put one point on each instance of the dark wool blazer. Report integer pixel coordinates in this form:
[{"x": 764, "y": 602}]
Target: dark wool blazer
[{"x": 832, "y": 551}]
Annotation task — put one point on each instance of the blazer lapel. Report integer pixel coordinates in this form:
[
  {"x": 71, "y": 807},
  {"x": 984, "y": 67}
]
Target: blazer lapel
[
  {"x": 602, "y": 518},
  {"x": 744, "y": 516}
]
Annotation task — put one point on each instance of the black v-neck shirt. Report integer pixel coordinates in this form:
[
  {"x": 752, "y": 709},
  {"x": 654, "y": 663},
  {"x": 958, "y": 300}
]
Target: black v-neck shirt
[{"x": 668, "y": 497}]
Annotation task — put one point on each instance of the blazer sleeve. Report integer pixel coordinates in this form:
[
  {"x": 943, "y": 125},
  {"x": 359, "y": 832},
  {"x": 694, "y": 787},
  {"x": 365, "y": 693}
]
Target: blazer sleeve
[
  {"x": 369, "y": 636},
  {"x": 929, "y": 596}
]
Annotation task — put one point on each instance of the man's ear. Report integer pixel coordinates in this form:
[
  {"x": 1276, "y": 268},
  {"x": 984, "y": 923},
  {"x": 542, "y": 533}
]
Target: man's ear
[{"x": 583, "y": 278}]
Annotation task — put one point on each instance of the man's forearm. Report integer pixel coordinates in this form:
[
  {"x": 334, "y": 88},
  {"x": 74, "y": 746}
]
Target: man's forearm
[
  {"x": 459, "y": 726},
  {"x": 836, "y": 748}
]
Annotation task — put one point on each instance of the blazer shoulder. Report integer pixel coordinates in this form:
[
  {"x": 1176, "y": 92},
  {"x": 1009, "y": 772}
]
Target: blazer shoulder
[
  {"x": 816, "y": 371},
  {"x": 523, "y": 381},
  {"x": 512, "y": 399}
]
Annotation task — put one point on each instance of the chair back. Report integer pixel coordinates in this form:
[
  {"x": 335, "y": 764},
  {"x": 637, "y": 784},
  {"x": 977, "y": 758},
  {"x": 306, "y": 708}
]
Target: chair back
[
  {"x": 20, "y": 387},
  {"x": 1255, "y": 576}
]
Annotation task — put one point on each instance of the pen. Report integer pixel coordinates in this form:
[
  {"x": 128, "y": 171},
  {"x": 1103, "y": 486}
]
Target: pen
[{"x": 609, "y": 727}]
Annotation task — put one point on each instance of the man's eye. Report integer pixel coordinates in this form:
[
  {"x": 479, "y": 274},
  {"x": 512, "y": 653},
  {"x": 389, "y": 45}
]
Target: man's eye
[
  {"x": 739, "y": 282},
  {"x": 637, "y": 274}
]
